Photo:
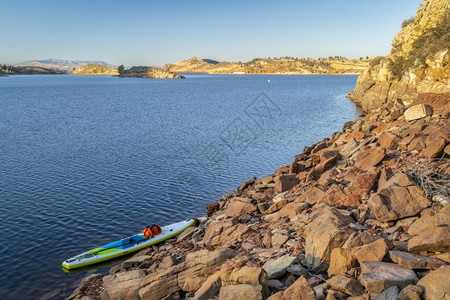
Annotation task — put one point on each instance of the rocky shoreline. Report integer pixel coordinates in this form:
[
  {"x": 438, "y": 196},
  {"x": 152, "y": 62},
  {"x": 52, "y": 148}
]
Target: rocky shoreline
[
  {"x": 364, "y": 214},
  {"x": 359, "y": 215}
]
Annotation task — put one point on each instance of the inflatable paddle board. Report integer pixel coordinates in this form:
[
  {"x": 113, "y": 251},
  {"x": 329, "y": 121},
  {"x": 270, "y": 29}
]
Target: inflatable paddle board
[{"x": 125, "y": 246}]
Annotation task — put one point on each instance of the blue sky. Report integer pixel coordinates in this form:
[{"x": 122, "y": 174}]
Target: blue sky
[{"x": 156, "y": 32}]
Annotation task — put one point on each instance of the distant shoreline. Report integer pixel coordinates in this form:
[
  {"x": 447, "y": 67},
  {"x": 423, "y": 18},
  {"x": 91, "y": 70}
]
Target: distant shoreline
[{"x": 296, "y": 74}]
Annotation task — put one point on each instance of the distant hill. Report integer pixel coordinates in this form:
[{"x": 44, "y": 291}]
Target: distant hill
[
  {"x": 14, "y": 70},
  {"x": 67, "y": 65},
  {"x": 285, "y": 65},
  {"x": 95, "y": 69}
]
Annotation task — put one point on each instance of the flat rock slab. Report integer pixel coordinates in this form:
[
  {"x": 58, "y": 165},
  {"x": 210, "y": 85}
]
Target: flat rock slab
[
  {"x": 418, "y": 111},
  {"x": 277, "y": 268},
  {"x": 369, "y": 158},
  {"x": 415, "y": 261},
  {"x": 378, "y": 276}
]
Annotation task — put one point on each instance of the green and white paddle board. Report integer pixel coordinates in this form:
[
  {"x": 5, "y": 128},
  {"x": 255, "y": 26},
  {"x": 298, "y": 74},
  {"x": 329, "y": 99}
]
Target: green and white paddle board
[{"x": 125, "y": 246}]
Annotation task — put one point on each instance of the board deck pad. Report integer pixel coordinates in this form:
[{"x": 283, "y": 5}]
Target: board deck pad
[{"x": 125, "y": 246}]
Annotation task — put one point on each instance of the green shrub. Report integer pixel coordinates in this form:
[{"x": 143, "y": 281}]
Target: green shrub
[
  {"x": 407, "y": 22},
  {"x": 429, "y": 43},
  {"x": 432, "y": 40},
  {"x": 399, "y": 65},
  {"x": 375, "y": 61}
]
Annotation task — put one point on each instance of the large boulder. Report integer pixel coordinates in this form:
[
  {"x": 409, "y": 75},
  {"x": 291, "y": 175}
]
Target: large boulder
[
  {"x": 342, "y": 261},
  {"x": 397, "y": 198},
  {"x": 285, "y": 182},
  {"x": 418, "y": 111},
  {"x": 372, "y": 252},
  {"x": 327, "y": 230},
  {"x": 213, "y": 231},
  {"x": 366, "y": 159},
  {"x": 431, "y": 240},
  {"x": 239, "y": 206},
  {"x": 387, "y": 140},
  {"x": 378, "y": 276},
  {"x": 436, "y": 284}
]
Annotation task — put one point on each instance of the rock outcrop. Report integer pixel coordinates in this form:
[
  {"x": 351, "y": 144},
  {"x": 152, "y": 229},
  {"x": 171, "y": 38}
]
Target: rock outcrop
[
  {"x": 149, "y": 72},
  {"x": 419, "y": 61},
  {"x": 95, "y": 69}
]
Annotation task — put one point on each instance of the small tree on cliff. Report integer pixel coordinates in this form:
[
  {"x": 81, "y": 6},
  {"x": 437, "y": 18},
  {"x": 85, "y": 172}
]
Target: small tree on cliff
[{"x": 121, "y": 69}]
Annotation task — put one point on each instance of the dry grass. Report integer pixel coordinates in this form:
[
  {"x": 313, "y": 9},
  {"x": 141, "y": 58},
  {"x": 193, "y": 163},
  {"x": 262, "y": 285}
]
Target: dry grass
[{"x": 431, "y": 178}]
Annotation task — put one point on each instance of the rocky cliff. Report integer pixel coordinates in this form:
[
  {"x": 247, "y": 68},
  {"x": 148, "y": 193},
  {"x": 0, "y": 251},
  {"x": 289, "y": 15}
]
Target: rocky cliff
[
  {"x": 271, "y": 66},
  {"x": 419, "y": 61},
  {"x": 149, "y": 72}
]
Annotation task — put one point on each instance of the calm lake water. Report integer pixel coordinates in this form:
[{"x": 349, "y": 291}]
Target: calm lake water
[{"x": 86, "y": 160}]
